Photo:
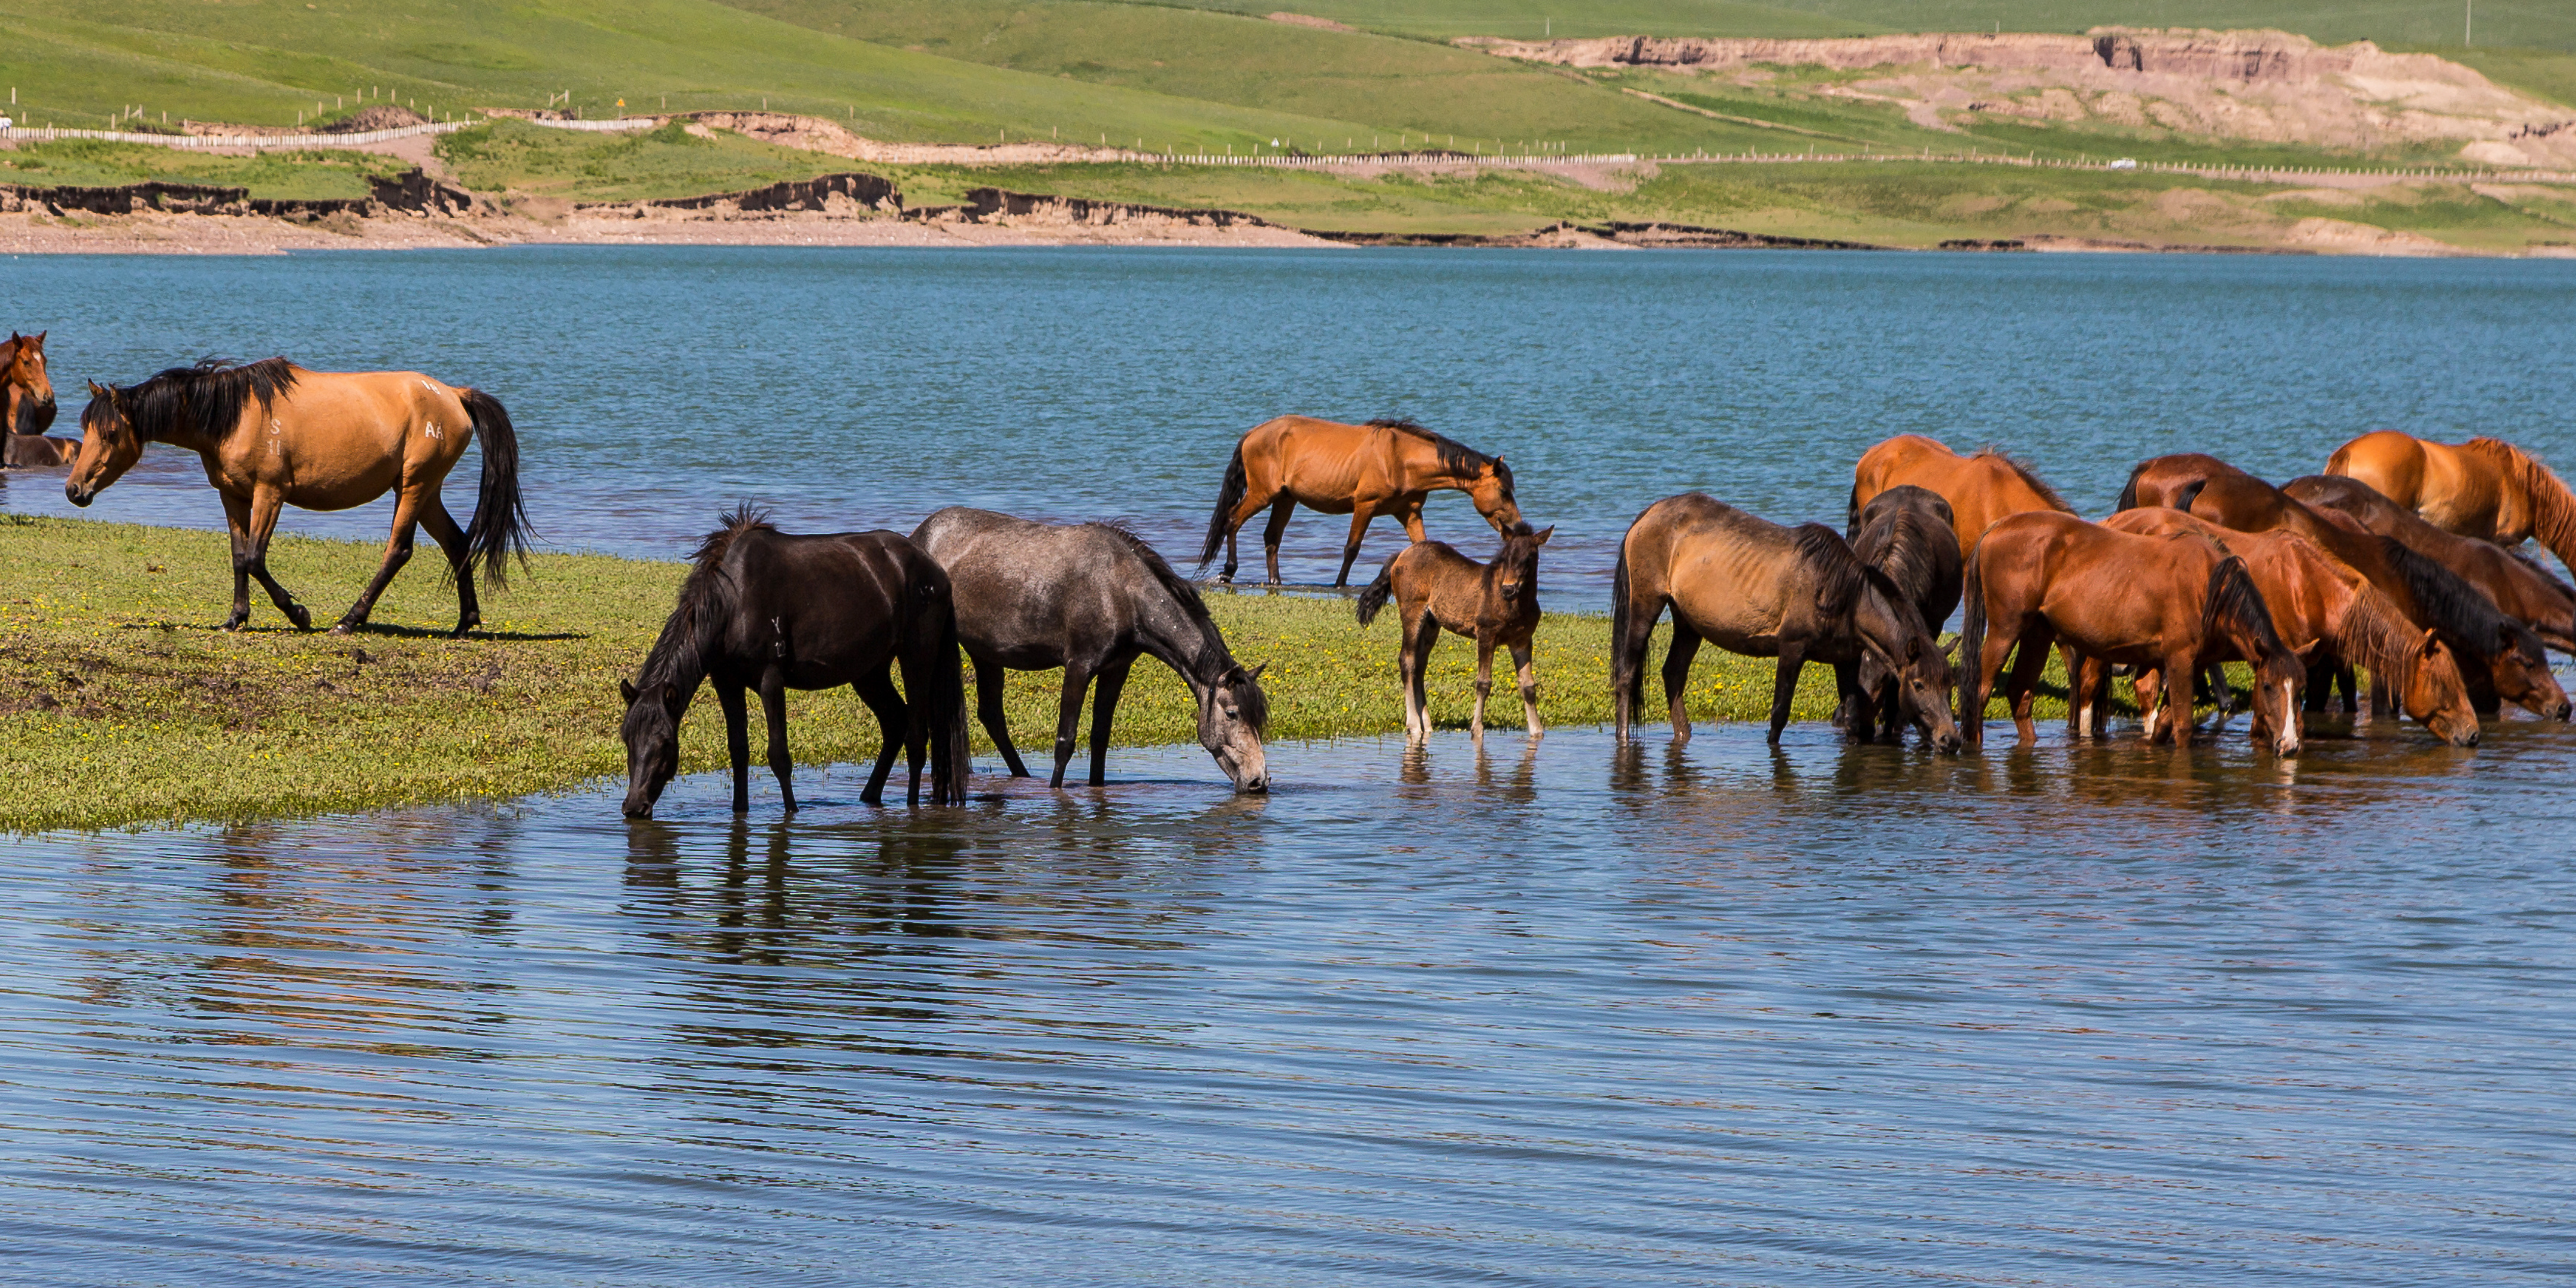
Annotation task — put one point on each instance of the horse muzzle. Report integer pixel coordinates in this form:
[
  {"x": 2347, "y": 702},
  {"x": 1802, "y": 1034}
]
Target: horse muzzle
[{"x": 78, "y": 495}]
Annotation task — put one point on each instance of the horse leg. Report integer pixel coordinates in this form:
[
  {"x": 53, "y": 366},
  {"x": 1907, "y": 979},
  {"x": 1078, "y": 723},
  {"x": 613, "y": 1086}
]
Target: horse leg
[
  {"x": 1271, "y": 533},
  {"x": 237, "y": 518},
  {"x": 1528, "y": 677},
  {"x": 1784, "y": 686},
  {"x": 1104, "y": 703},
  {"x": 988, "y": 708},
  {"x": 1413, "y": 664},
  {"x": 265, "y": 505},
  {"x": 1484, "y": 682},
  {"x": 1360, "y": 516},
  {"x": 1068, "y": 715},
  {"x": 2149, "y": 683},
  {"x": 2022, "y": 682},
  {"x": 2320, "y": 686},
  {"x": 1677, "y": 665},
  {"x": 917, "y": 679},
  {"x": 451, "y": 539},
  {"x": 1242, "y": 513},
  {"x": 2177, "y": 675},
  {"x": 737, "y": 737},
  {"x": 2346, "y": 683},
  {"x": 1411, "y": 517},
  {"x": 1855, "y": 711},
  {"x": 397, "y": 553},
  {"x": 773, "y": 712},
  {"x": 892, "y": 723}
]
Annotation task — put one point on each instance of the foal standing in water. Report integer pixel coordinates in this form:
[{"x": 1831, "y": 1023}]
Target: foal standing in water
[{"x": 1435, "y": 588}]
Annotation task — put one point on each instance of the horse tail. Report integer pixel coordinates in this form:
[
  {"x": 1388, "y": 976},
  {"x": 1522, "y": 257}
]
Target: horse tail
[
  {"x": 1374, "y": 596},
  {"x": 499, "y": 528},
  {"x": 1627, "y": 676},
  {"x": 1972, "y": 640},
  {"x": 1851, "y": 514},
  {"x": 943, "y": 674},
  {"x": 2190, "y": 492},
  {"x": 1228, "y": 496},
  {"x": 2129, "y": 493}
]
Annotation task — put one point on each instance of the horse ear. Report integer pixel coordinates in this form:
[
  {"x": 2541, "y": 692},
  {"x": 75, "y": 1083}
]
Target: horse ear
[
  {"x": 94, "y": 390},
  {"x": 1544, "y": 534},
  {"x": 1255, "y": 673},
  {"x": 1913, "y": 649},
  {"x": 626, "y": 690},
  {"x": 1951, "y": 651}
]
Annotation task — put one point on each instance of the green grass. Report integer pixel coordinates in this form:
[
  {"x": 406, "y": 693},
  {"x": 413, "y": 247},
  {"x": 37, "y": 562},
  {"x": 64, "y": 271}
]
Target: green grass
[
  {"x": 121, "y": 706},
  {"x": 516, "y": 157},
  {"x": 91, "y": 163}
]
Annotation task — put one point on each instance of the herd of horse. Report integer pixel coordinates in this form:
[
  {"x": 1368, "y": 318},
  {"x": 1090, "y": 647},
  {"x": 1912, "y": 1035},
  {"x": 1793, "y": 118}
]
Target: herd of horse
[{"x": 2397, "y": 561}]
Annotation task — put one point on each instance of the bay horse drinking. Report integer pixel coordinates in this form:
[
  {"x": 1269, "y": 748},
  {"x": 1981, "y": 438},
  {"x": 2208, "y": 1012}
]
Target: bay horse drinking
[
  {"x": 763, "y": 610},
  {"x": 2501, "y": 658},
  {"x": 1980, "y": 487},
  {"x": 1760, "y": 589},
  {"x": 2328, "y": 614},
  {"x": 274, "y": 434},
  {"x": 2172, "y": 603},
  {"x": 1385, "y": 467},
  {"x": 2519, "y": 587},
  {"x": 1907, "y": 533},
  {"x": 2485, "y": 488},
  {"x": 1435, "y": 588},
  {"x": 27, "y": 405},
  {"x": 1091, "y": 598}
]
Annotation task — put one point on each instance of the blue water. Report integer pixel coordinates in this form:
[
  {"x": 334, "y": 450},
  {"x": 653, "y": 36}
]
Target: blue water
[{"x": 1541, "y": 1014}]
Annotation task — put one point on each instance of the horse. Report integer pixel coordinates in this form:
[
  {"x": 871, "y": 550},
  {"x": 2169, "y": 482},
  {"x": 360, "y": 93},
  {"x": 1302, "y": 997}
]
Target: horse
[
  {"x": 27, "y": 406},
  {"x": 2326, "y": 613},
  {"x": 1763, "y": 590},
  {"x": 2485, "y": 488},
  {"x": 1091, "y": 598},
  {"x": 1981, "y": 487},
  {"x": 2150, "y": 602},
  {"x": 274, "y": 434},
  {"x": 1435, "y": 588},
  {"x": 2518, "y": 586},
  {"x": 2501, "y": 657},
  {"x": 765, "y": 610},
  {"x": 1907, "y": 533},
  {"x": 1385, "y": 467}
]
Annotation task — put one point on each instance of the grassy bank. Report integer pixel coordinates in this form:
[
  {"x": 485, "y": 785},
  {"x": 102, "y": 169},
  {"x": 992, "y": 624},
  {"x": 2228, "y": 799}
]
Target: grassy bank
[{"x": 120, "y": 705}]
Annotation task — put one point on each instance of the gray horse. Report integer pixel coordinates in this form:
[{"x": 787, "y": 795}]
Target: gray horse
[{"x": 1090, "y": 597}]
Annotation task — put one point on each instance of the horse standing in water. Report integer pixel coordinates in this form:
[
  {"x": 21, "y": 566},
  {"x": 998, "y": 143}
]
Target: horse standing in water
[
  {"x": 1090, "y": 598},
  {"x": 1757, "y": 588},
  {"x": 1385, "y": 467},
  {"x": 27, "y": 406},
  {"x": 1436, "y": 588},
  {"x": 274, "y": 434},
  {"x": 765, "y": 610},
  {"x": 1980, "y": 487},
  {"x": 1905, "y": 532},
  {"x": 2170, "y": 603},
  {"x": 2485, "y": 488}
]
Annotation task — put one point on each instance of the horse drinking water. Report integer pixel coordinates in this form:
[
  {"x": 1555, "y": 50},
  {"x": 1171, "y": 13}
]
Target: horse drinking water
[
  {"x": 27, "y": 406},
  {"x": 1385, "y": 467},
  {"x": 1435, "y": 588},
  {"x": 274, "y": 434}
]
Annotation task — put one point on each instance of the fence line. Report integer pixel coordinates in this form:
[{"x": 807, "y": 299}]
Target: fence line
[{"x": 48, "y": 133}]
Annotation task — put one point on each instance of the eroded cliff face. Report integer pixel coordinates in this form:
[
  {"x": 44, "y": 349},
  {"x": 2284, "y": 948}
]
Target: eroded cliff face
[{"x": 2263, "y": 85}]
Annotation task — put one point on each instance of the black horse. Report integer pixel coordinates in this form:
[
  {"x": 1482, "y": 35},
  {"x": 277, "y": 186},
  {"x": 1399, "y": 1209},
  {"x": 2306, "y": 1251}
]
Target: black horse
[
  {"x": 762, "y": 609},
  {"x": 1090, "y": 597},
  {"x": 1906, "y": 532}
]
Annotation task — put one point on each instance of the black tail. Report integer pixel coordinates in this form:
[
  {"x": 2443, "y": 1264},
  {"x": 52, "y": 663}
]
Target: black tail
[
  {"x": 1851, "y": 516},
  {"x": 1374, "y": 596},
  {"x": 2129, "y": 494},
  {"x": 1227, "y": 497},
  {"x": 1627, "y": 675},
  {"x": 499, "y": 529},
  {"x": 1972, "y": 650},
  {"x": 939, "y": 670}
]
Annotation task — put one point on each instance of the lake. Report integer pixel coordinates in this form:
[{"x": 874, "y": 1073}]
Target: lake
[{"x": 1554, "y": 1013}]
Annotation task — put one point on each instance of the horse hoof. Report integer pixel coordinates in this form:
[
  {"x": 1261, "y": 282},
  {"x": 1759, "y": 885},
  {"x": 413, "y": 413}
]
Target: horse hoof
[
  {"x": 344, "y": 627},
  {"x": 303, "y": 620}
]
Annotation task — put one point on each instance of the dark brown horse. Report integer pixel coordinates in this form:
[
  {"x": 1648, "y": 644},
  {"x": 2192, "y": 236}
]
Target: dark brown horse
[
  {"x": 1980, "y": 487},
  {"x": 2326, "y": 613},
  {"x": 2172, "y": 603},
  {"x": 767, "y": 611},
  {"x": 27, "y": 406},
  {"x": 273, "y": 434},
  {"x": 2501, "y": 657},
  {"x": 1435, "y": 588},
  {"x": 2485, "y": 488},
  {"x": 1091, "y": 598},
  {"x": 1757, "y": 588},
  {"x": 1385, "y": 467},
  {"x": 2518, "y": 586},
  {"x": 1905, "y": 532}
]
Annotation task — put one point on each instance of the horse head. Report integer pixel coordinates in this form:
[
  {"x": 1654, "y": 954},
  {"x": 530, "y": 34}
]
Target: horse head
[
  {"x": 2522, "y": 675},
  {"x": 34, "y": 402},
  {"x": 2277, "y": 681},
  {"x": 110, "y": 444},
  {"x": 1516, "y": 566},
  {"x": 1232, "y": 714},
  {"x": 1923, "y": 685},
  {"x": 1490, "y": 488},
  {"x": 2437, "y": 696},
  {"x": 652, "y": 733}
]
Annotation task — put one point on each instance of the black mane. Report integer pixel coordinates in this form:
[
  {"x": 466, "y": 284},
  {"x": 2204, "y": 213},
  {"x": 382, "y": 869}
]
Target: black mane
[
  {"x": 1456, "y": 457},
  {"x": 204, "y": 401},
  {"x": 2455, "y": 607},
  {"x": 1839, "y": 573},
  {"x": 705, "y": 605},
  {"x": 1248, "y": 696}
]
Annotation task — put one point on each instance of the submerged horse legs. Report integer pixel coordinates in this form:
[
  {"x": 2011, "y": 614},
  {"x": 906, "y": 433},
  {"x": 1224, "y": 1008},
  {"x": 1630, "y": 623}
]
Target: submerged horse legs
[
  {"x": 988, "y": 708},
  {"x": 253, "y": 520},
  {"x": 1784, "y": 685},
  {"x": 1068, "y": 716},
  {"x": 1677, "y": 665},
  {"x": 893, "y": 726},
  {"x": 1528, "y": 677},
  {"x": 1412, "y": 666},
  {"x": 1104, "y": 705},
  {"x": 773, "y": 711},
  {"x": 737, "y": 739}
]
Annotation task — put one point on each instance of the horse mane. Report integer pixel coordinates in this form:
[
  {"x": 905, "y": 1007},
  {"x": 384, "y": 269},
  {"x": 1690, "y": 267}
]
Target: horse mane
[
  {"x": 204, "y": 401},
  {"x": 2445, "y": 598},
  {"x": 1906, "y": 560},
  {"x": 706, "y": 602},
  {"x": 1249, "y": 698},
  {"x": 2374, "y": 635},
  {"x": 2553, "y": 508},
  {"x": 1455, "y": 456},
  {"x": 2233, "y": 600},
  {"x": 1840, "y": 574},
  {"x": 2022, "y": 468},
  {"x": 2538, "y": 569}
]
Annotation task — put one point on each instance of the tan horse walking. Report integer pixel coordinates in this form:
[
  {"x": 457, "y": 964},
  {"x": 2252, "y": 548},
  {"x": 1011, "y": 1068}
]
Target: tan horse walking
[
  {"x": 1981, "y": 487},
  {"x": 27, "y": 405},
  {"x": 273, "y": 434},
  {"x": 2485, "y": 488},
  {"x": 1435, "y": 588},
  {"x": 1385, "y": 467}
]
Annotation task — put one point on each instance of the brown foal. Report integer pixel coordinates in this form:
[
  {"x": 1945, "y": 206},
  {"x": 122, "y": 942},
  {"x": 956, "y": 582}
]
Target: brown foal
[{"x": 1435, "y": 588}]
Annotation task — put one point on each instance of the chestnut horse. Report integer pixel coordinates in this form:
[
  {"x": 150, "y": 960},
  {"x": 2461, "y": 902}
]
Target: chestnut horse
[
  {"x": 2501, "y": 657},
  {"x": 1435, "y": 588},
  {"x": 274, "y": 434},
  {"x": 2518, "y": 585},
  {"x": 2485, "y": 488},
  {"x": 1385, "y": 467},
  {"x": 2329, "y": 615},
  {"x": 27, "y": 405},
  {"x": 1763, "y": 590},
  {"x": 2172, "y": 603},
  {"x": 1981, "y": 487}
]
